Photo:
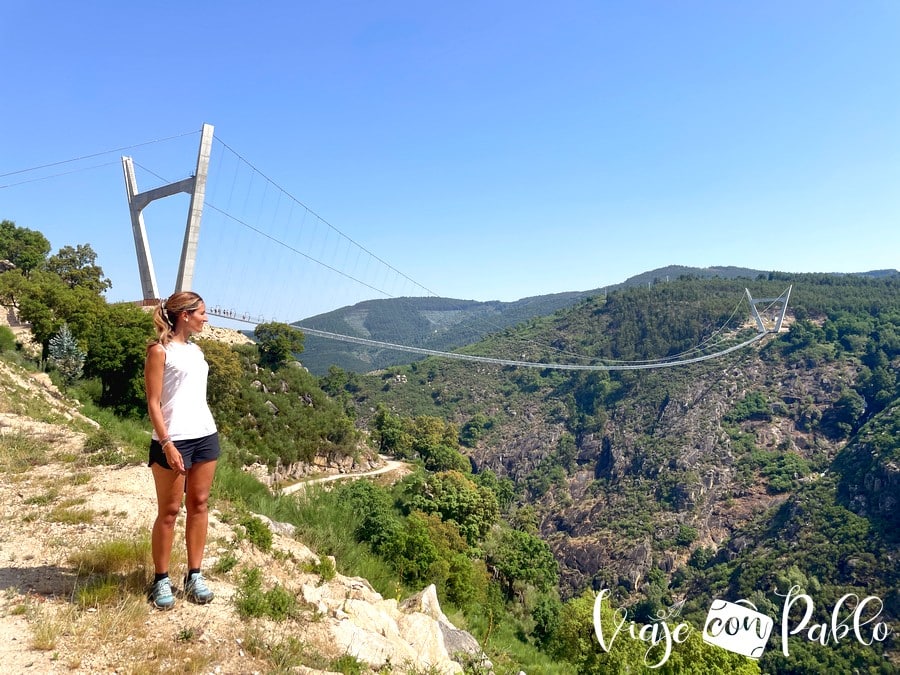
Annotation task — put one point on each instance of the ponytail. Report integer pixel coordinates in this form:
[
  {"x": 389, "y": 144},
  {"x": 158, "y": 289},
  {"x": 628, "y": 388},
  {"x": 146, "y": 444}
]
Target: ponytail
[{"x": 166, "y": 313}]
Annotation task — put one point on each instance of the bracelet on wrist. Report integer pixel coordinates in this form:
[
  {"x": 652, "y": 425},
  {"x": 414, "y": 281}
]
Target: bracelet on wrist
[{"x": 163, "y": 442}]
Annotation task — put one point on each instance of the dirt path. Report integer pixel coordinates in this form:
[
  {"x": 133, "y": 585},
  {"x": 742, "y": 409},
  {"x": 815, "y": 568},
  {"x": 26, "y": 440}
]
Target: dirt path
[{"x": 390, "y": 465}]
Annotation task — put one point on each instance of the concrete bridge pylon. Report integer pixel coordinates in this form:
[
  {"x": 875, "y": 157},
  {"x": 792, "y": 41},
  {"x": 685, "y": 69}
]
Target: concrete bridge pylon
[{"x": 195, "y": 186}]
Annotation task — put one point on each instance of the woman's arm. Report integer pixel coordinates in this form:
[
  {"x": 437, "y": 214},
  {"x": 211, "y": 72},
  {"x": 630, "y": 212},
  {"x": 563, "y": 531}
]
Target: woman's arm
[{"x": 153, "y": 379}]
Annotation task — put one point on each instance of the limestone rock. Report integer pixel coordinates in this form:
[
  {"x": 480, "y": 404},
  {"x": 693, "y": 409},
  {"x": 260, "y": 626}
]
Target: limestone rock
[
  {"x": 414, "y": 634},
  {"x": 458, "y": 643}
]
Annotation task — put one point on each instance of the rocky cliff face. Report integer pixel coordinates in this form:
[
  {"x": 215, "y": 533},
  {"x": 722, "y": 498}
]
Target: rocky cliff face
[
  {"x": 870, "y": 471},
  {"x": 669, "y": 472}
]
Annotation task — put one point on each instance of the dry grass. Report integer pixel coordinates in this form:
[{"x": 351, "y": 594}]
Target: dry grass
[
  {"x": 121, "y": 629},
  {"x": 110, "y": 570},
  {"x": 20, "y": 452},
  {"x": 112, "y": 557},
  {"x": 48, "y": 623},
  {"x": 71, "y": 515},
  {"x": 180, "y": 657},
  {"x": 79, "y": 479},
  {"x": 108, "y": 613}
]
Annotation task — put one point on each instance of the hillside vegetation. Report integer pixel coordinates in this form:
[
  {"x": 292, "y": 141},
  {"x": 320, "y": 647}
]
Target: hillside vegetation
[{"x": 738, "y": 477}]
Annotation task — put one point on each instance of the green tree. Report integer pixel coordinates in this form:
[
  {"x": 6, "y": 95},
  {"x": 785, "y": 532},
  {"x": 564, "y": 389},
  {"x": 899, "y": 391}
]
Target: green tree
[
  {"x": 429, "y": 554},
  {"x": 521, "y": 559},
  {"x": 503, "y": 488},
  {"x": 546, "y": 618},
  {"x": 431, "y": 432},
  {"x": 474, "y": 429},
  {"x": 46, "y": 302},
  {"x": 13, "y": 287},
  {"x": 116, "y": 351},
  {"x": 378, "y": 524},
  {"x": 78, "y": 267},
  {"x": 25, "y": 248},
  {"x": 412, "y": 552},
  {"x": 66, "y": 355},
  {"x": 879, "y": 386},
  {"x": 754, "y": 406},
  {"x": 42, "y": 300},
  {"x": 334, "y": 382},
  {"x": 455, "y": 497},
  {"x": 437, "y": 443},
  {"x": 390, "y": 434},
  {"x": 696, "y": 657},
  {"x": 525, "y": 518},
  {"x": 7, "y": 339},
  {"x": 844, "y": 416},
  {"x": 277, "y": 343},
  {"x": 225, "y": 372},
  {"x": 445, "y": 458},
  {"x": 576, "y": 641}
]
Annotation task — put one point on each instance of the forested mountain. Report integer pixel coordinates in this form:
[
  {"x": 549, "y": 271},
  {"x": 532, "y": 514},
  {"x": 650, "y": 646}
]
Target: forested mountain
[
  {"x": 444, "y": 324},
  {"x": 772, "y": 467},
  {"x": 429, "y": 322}
]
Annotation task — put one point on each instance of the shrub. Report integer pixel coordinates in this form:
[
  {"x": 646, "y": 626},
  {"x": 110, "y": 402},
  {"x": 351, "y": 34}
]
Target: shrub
[
  {"x": 252, "y": 602},
  {"x": 686, "y": 535},
  {"x": 7, "y": 339},
  {"x": 225, "y": 563},
  {"x": 257, "y": 532},
  {"x": 99, "y": 440}
]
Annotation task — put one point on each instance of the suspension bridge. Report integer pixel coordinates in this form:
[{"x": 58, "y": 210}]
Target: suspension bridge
[{"x": 265, "y": 254}]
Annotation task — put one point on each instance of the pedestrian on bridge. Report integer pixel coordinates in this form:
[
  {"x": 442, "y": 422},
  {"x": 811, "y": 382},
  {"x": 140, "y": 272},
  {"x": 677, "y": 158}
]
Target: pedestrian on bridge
[{"x": 185, "y": 442}]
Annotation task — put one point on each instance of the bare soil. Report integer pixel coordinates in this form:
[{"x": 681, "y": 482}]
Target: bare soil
[{"x": 38, "y": 579}]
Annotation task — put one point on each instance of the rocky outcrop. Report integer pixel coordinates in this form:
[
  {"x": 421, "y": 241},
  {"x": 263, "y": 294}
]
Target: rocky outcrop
[
  {"x": 870, "y": 471},
  {"x": 226, "y": 335},
  {"x": 414, "y": 634},
  {"x": 665, "y": 457},
  {"x": 460, "y": 644},
  {"x": 355, "y": 620}
]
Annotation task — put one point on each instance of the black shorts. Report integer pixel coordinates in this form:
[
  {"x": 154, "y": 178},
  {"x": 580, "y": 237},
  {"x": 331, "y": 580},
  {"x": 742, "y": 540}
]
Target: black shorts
[{"x": 193, "y": 450}]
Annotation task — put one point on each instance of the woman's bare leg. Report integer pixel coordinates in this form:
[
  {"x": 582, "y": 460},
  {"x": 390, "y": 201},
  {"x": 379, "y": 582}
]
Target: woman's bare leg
[
  {"x": 169, "y": 491},
  {"x": 199, "y": 483}
]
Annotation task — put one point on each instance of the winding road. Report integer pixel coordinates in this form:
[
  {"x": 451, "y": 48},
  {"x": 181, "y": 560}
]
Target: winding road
[{"x": 390, "y": 465}]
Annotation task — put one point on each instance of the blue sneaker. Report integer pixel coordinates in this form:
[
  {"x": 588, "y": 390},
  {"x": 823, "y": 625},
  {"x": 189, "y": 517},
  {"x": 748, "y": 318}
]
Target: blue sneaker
[
  {"x": 161, "y": 594},
  {"x": 196, "y": 590}
]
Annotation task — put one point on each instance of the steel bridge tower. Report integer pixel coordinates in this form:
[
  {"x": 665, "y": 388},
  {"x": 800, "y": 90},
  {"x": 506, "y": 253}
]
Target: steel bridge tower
[{"x": 195, "y": 186}]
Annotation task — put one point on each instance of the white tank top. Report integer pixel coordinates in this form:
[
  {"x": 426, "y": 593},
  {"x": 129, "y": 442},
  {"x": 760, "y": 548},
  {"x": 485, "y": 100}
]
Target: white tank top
[{"x": 183, "y": 398}]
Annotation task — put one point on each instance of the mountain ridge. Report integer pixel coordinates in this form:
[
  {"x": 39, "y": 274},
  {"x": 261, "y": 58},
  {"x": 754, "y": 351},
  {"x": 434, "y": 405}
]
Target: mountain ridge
[{"x": 445, "y": 324}]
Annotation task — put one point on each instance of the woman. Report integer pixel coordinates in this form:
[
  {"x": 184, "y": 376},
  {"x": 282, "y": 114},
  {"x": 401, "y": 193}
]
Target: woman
[{"x": 185, "y": 444}]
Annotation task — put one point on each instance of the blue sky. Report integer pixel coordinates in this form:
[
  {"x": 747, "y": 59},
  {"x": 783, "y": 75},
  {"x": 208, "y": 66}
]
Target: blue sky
[{"x": 486, "y": 150}]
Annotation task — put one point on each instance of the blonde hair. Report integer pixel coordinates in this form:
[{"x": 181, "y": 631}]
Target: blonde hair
[{"x": 166, "y": 313}]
